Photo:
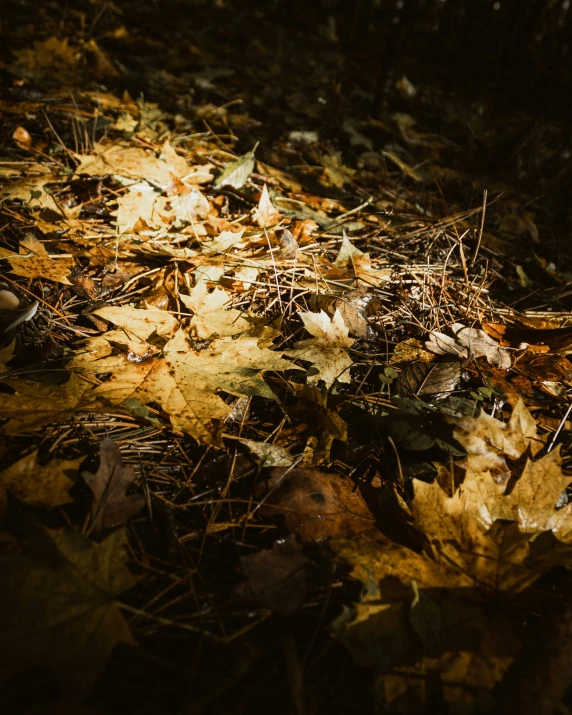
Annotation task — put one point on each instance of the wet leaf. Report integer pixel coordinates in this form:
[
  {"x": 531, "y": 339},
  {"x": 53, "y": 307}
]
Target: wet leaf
[{"x": 111, "y": 506}]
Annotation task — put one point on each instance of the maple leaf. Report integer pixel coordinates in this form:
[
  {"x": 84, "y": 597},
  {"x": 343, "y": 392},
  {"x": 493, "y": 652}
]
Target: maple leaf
[
  {"x": 185, "y": 380},
  {"x": 35, "y": 404},
  {"x": 111, "y": 506},
  {"x": 442, "y": 594},
  {"x": 59, "y": 611},
  {"x": 138, "y": 322},
  {"x": 351, "y": 257},
  {"x": 210, "y": 319},
  {"x": 532, "y": 502},
  {"x": 327, "y": 349},
  {"x": 132, "y": 162},
  {"x": 33, "y": 261},
  {"x": 38, "y": 485}
]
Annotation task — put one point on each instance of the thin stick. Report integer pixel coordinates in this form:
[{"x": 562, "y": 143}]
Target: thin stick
[{"x": 481, "y": 227}]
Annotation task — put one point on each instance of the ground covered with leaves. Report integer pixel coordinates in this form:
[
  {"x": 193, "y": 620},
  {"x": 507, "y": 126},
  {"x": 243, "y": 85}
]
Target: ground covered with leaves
[{"x": 284, "y": 376}]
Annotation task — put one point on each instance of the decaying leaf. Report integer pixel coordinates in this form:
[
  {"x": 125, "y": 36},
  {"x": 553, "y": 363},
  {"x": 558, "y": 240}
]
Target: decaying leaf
[
  {"x": 111, "y": 506},
  {"x": 469, "y": 341},
  {"x": 327, "y": 350},
  {"x": 315, "y": 504},
  {"x": 58, "y": 605},
  {"x": 46, "y": 485}
]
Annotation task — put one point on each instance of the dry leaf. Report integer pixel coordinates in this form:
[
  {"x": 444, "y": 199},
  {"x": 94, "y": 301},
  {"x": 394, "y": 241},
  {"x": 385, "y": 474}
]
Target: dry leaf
[
  {"x": 237, "y": 173},
  {"x": 32, "y": 483},
  {"x": 266, "y": 214},
  {"x": 186, "y": 380},
  {"x": 469, "y": 342},
  {"x": 270, "y": 455},
  {"x": 140, "y": 323},
  {"x": 34, "y": 262},
  {"x": 327, "y": 350},
  {"x": 351, "y": 257},
  {"x": 210, "y": 319},
  {"x": 315, "y": 504},
  {"x": 111, "y": 507},
  {"x": 58, "y": 605},
  {"x": 35, "y": 404},
  {"x": 338, "y": 173}
]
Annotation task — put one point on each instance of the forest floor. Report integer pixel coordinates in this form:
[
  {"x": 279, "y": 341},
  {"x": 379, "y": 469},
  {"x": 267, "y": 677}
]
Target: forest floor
[{"x": 284, "y": 379}]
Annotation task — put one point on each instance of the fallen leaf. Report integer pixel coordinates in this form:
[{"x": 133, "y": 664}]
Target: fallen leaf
[
  {"x": 226, "y": 240},
  {"x": 270, "y": 455},
  {"x": 469, "y": 342},
  {"x": 315, "y": 504},
  {"x": 35, "y": 404},
  {"x": 338, "y": 173},
  {"x": 39, "y": 485},
  {"x": 456, "y": 596},
  {"x": 488, "y": 442},
  {"x": 237, "y": 173},
  {"x": 266, "y": 214},
  {"x": 58, "y": 605},
  {"x": 327, "y": 350},
  {"x": 276, "y": 578},
  {"x": 132, "y": 162},
  {"x": 211, "y": 319},
  {"x": 350, "y": 256},
  {"x": 421, "y": 378},
  {"x": 111, "y": 507},
  {"x": 33, "y": 261},
  {"x": 140, "y": 323},
  {"x": 410, "y": 350},
  {"x": 185, "y": 381}
]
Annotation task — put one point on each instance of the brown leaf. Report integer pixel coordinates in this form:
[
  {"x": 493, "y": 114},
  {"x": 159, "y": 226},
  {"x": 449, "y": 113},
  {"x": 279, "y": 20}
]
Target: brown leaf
[
  {"x": 315, "y": 504},
  {"x": 276, "y": 578},
  {"x": 111, "y": 506},
  {"x": 33, "y": 261},
  {"x": 59, "y": 610},
  {"x": 38, "y": 485}
]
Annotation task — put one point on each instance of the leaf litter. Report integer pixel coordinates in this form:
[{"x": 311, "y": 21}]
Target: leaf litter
[{"x": 259, "y": 332}]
